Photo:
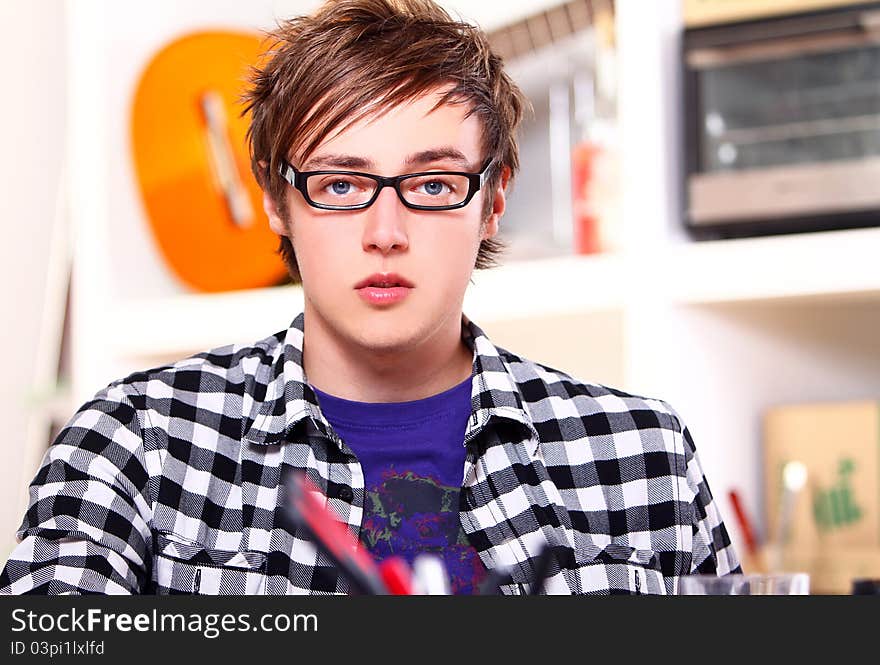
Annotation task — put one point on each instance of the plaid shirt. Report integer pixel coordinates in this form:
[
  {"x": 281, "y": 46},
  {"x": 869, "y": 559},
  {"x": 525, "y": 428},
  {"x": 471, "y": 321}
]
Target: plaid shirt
[{"x": 169, "y": 480}]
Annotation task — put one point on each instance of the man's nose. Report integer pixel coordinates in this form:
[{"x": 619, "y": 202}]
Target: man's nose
[{"x": 385, "y": 227}]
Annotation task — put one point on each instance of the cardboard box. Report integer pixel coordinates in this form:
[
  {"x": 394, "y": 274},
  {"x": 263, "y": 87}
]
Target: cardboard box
[
  {"x": 834, "y": 572},
  {"x": 716, "y": 12},
  {"x": 834, "y": 527}
]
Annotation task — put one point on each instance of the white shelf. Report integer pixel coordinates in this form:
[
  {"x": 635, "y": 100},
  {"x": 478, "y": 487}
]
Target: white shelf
[
  {"x": 829, "y": 265},
  {"x": 548, "y": 287},
  {"x": 183, "y": 324}
]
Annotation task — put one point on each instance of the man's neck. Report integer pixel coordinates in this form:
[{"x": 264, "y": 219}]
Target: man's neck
[{"x": 342, "y": 368}]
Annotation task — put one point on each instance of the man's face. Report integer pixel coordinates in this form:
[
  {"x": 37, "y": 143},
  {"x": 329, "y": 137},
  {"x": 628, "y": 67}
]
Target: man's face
[{"x": 346, "y": 258}]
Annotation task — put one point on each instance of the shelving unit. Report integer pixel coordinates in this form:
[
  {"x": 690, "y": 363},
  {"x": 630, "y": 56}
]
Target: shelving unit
[
  {"x": 720, "y": 329},
  {"x": 837, "y": 266}
]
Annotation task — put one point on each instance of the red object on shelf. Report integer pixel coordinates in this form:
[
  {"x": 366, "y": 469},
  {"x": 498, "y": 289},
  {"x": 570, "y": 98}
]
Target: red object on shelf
[
  {"x": 744, "y": 524},
  {"x": 586, "y": 222}
]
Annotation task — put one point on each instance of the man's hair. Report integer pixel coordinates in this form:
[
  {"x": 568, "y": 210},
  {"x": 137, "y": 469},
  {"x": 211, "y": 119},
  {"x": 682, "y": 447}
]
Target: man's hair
[{"x": 352, "y": 58}]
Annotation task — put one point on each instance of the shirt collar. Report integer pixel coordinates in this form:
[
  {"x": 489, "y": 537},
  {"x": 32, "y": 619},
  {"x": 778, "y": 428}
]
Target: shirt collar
[
  {"x": 494, "y": 391},
  {"x": 290, "y": 403}
]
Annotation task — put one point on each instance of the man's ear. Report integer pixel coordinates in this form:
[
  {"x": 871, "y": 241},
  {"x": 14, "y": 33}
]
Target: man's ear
[
  {"x": 276, "y": 222},
  {"x": 499, "y": 204}
]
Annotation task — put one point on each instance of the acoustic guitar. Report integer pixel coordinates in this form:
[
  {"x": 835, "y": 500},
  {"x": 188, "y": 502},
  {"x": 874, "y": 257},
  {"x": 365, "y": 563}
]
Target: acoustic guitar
[{"x": 192, "y": 166}]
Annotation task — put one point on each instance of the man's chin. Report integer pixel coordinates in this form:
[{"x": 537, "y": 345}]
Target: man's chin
[
  {"x": 381, "y": 340},
  {"x": 382, "y": 332}
]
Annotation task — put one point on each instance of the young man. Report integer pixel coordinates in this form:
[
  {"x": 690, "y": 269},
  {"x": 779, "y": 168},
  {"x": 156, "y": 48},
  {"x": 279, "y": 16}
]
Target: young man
[{"x": 383, "y": 134}]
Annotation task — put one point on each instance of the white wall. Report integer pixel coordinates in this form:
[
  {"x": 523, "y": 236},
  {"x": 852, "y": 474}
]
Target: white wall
[{"x": 32, "y": 117}]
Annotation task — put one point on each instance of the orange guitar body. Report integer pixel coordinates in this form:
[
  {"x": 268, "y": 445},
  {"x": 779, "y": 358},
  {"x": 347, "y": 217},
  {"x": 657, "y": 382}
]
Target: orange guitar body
[{"x": 190, "y": 156}]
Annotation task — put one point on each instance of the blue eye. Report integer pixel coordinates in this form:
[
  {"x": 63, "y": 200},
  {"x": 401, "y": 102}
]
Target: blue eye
[
  {"x": 341, "y": 187},
  {"x": 434, "y": 188}
]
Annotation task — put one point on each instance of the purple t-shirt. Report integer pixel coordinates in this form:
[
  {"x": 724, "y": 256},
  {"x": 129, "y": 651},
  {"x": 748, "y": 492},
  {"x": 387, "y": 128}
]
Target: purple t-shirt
[{"x": 412, "y": 454}]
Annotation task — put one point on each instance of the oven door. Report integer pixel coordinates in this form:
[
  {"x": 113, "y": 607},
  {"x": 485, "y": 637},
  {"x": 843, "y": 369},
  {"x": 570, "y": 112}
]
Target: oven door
[{"x": 783, "y": 122}]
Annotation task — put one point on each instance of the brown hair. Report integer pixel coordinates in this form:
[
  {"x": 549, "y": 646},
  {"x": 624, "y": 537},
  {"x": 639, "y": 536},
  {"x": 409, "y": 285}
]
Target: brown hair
[{"x": 352, "y": 58}]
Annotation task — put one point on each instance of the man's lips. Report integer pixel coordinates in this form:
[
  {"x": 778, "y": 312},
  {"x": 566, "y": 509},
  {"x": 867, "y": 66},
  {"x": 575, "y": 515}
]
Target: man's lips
[
  {"x": 384, "y": 280},
  {"x": 383, "y": 288}
]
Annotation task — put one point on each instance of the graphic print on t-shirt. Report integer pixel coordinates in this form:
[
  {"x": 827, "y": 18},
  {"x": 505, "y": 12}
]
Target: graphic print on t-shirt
[{"x": 408, "y": 514}]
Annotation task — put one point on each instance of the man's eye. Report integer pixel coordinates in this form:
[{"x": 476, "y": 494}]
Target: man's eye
[
  {"x": 433, "y": 187},
  {"x": 340, "y": 187}
]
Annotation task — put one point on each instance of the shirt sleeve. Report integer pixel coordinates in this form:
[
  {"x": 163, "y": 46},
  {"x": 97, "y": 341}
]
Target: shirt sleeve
[
  {"x": 713, "y": 553},
  {"x": 86, "y": 529}
]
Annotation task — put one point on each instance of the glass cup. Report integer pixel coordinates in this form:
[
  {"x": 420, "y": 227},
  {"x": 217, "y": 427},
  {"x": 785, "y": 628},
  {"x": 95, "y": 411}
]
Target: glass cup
[{"x": 771, "y": 584}]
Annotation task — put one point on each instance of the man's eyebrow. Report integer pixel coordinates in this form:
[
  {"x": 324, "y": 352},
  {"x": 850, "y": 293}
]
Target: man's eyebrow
[
  {"x": 448, "y": 154},
  {"x": 419, "y": 159},
  {"x": 337, "y": 162}
]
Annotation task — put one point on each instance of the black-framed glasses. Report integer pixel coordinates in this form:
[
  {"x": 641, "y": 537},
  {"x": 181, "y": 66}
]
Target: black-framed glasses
[{"x": 351, "y": 190}]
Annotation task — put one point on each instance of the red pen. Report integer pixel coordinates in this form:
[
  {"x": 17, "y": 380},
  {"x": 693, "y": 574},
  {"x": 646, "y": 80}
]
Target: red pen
[
  {"x": 397, "y": 576},
  {"x": 744, "y": 524},
  {"x": 309, "y": 511}
]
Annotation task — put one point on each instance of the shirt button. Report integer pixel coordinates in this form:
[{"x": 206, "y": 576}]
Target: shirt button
[{"x": 346, "y": 494}]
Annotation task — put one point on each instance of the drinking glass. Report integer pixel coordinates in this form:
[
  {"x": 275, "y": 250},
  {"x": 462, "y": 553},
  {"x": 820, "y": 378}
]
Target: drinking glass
[{"x": 772, "y": 584}]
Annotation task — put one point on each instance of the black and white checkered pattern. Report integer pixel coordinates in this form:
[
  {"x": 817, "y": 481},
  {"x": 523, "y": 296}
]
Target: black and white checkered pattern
[{"x": 170, "y": 481}]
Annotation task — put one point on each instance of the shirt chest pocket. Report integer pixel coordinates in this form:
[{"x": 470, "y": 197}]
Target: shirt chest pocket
[
  {"x": 185, "y": 566},
  {"x": 620, "y": 569}
]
